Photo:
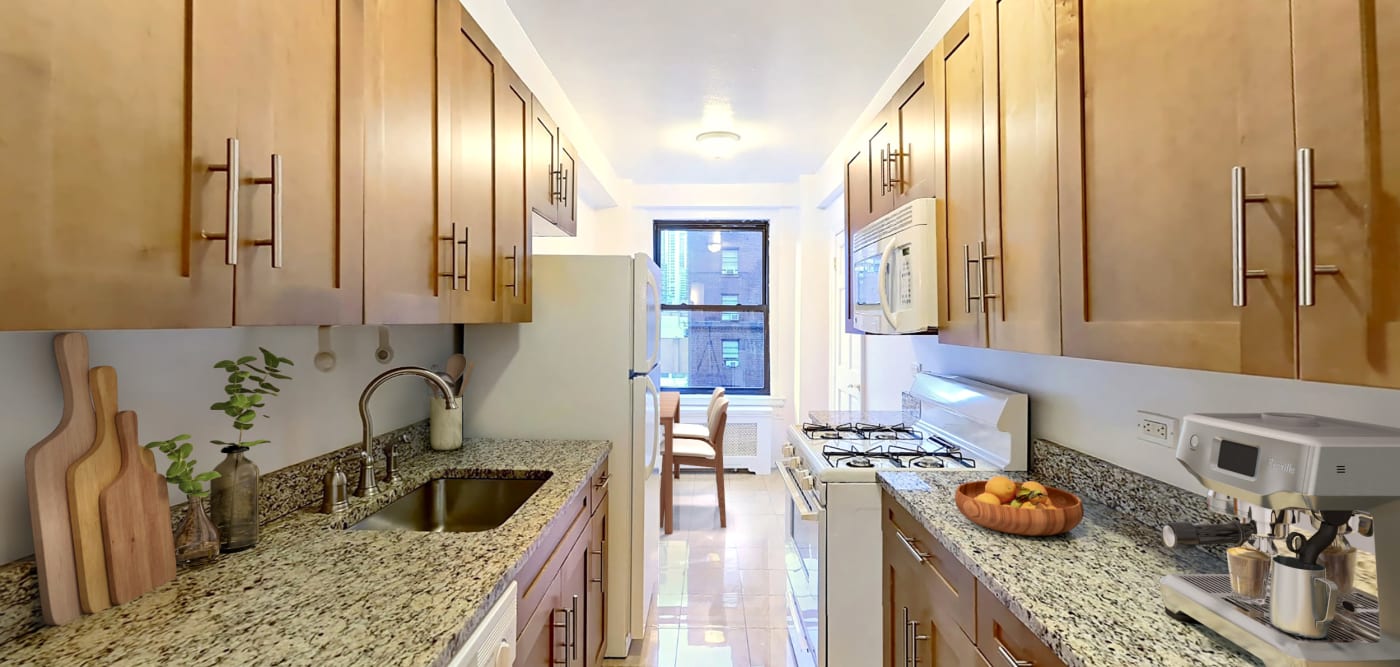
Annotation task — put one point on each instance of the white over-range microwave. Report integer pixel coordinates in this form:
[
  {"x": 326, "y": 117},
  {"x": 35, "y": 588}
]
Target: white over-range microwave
[{"x": 894, "y": 271}]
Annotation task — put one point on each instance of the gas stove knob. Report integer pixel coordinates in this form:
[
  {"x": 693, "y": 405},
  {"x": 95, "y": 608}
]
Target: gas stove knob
[
  {"x": 793, "y": 462},
  {"x": 789, "y": 451},
  {"x": 805, "y": 481}
]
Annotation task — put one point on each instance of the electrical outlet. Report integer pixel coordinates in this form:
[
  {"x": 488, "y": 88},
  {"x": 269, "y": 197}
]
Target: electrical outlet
[
  {"x": 916, "y": 367},
  {"x": 1157, "y": 429}
]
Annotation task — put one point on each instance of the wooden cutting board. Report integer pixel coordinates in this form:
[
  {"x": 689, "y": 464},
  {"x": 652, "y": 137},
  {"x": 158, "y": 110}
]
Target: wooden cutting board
[
  {"x": 46, "y": 474},
  {"x": 137, "y": 542},
  {"x": 87, "y": 477}
]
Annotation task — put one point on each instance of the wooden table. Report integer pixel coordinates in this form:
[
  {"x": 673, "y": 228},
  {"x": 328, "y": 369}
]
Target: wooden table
[{"x": 670, "y": 414}]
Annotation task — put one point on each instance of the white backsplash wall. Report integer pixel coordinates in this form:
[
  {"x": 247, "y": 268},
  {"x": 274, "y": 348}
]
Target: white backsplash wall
[
  {"x": 168, "y": 379},
  {"x": 1091, "y": 405}
]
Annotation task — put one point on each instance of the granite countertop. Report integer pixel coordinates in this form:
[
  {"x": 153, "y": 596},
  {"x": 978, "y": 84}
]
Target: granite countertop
[
  {"x": 311, "y": 593},
  {"x": 1091, "y": 595}
]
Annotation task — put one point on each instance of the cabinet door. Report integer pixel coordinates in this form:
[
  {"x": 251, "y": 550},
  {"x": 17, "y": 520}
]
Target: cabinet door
[
  {"x": 1022, "y": 226},
  {"x": 514, "y": 245},
  {"x": 915, "y": 169},
  {"x": 102, "y": 134},
  {"x": 473, "y": 72},
  {"x": 883, "y": 143},
  {"x": 595, "y": 620},
  {"x": 1158, "y": 101},
  {"x": 858, "y": 191},
  {"x": 568, "y": 186},
  {"x": 1347, "y": 88},
  {"x": 302, "y": 228},
  {"x": 540, "y": 642},
  {"x": 1001, "y": 635},
  {"x": 958, "y": 75},
  {"x": 403, "y": 250},
  {"x": 918, "y": 632},
  {"x": 573, "y": 594},
  {"x": 543, "y": 188}
]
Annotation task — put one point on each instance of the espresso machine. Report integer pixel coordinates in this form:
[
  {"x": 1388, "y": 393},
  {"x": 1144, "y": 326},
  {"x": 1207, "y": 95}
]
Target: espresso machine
[{"x": 1274, "y": 471}]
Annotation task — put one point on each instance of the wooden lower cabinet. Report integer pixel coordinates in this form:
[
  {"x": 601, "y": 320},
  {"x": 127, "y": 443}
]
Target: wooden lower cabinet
[
  {"x": 561, "y": 614},
  {"x": 936, "y": 612}
]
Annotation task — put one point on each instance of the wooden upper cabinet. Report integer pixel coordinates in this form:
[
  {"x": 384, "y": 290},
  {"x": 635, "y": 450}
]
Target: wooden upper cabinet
[
  {"x": 1022, "y": 222},
  {"x": 567, "y": 219},
  {"x": 957, "y": 75},
  {"x": 1346, "y": 59},
  {"x": 300, "y": 129},
  {"x": 883, "y": 143},
  {"x": 858, "y": 190},
  {"x": 1165, "y": 99},
  {"x": 514, "y": 245},
  {"x": 404, "y": 228},
  {"x": 543, "y": 187},
  {"x": 472, "y": 68},
  {"x": 915, "y": 165},
  {"x": 113, "y": 114}
]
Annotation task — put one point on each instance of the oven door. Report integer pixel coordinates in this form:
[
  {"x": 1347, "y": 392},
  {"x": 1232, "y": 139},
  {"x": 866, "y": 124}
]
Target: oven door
[
  {"x": 806, "y": 542},
  {"x": 866, "y": 312}
]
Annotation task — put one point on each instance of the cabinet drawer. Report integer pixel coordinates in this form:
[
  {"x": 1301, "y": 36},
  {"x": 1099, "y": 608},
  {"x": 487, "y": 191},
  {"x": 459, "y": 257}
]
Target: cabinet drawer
[
  {"x": 542, "y": 568},
  {"x": 951, "y": 586},
  {"x": 1004, "y": 640},
  {"x": 539, "y": 644},
  {"x": 598, "y": 490}
]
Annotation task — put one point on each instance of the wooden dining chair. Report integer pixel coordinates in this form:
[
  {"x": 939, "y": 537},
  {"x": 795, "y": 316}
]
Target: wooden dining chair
[
  {"x": 700, "y": 431},
  {"x": 701, "y": 453}
]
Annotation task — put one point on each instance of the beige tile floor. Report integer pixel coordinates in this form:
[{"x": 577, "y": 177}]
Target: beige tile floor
[{"x": 721, "y": 598}]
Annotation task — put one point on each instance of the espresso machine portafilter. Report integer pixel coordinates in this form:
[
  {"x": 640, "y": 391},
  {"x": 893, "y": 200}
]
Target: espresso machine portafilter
[{"x": 1282, "y": 467}]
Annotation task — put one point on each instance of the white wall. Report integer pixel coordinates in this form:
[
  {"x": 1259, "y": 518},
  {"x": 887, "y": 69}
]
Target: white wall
[
  {"x": 1091, "y": 405},
  {"x": 168, "y": 379}
]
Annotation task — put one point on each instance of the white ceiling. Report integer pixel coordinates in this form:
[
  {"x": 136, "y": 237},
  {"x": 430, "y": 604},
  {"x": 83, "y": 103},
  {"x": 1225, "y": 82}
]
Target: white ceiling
[{"x": 790, "y": 76}]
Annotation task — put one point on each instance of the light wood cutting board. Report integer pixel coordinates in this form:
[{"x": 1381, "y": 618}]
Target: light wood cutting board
[
  {"x": 137, "y": 542},
  {"x": 87, "y": 477},
  {"x": 46, "y": 474}
]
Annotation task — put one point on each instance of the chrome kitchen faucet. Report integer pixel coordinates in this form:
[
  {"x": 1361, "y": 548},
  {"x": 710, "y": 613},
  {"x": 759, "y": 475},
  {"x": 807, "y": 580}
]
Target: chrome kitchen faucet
[{"x": 368, "y": 485}]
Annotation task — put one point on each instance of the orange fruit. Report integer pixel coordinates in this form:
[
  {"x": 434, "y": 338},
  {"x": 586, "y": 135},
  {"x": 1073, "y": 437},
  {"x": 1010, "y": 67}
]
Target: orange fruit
[
  {"x": 989, "y": 499},
  {"x": 1001, "y": 487},
  {"x": 1034, "y": 486}
]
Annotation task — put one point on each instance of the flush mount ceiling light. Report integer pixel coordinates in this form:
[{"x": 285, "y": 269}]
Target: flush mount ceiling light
[{"x": 717, "y": 144}]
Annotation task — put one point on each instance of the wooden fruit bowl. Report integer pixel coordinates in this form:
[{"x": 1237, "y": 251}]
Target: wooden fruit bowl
[{"x": 1004, "y": 518}]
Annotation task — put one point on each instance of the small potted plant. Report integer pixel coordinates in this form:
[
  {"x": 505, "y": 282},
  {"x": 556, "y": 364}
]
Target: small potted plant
[
  {"x": 196, "y": 538},
  {"x": 233, "y": 492}
]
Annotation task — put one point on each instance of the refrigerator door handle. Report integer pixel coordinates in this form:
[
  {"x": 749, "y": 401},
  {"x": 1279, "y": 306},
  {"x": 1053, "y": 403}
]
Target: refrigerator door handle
[{"x": 655, "y": 426}]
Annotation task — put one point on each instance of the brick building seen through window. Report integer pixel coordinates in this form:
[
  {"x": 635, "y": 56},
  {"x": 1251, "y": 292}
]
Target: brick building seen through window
[{"x": 714, "y": 301}]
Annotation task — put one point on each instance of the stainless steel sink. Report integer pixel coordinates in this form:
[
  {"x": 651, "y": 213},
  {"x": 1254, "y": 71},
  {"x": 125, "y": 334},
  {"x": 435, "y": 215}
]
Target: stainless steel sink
[{"x": 454, "y": 506}]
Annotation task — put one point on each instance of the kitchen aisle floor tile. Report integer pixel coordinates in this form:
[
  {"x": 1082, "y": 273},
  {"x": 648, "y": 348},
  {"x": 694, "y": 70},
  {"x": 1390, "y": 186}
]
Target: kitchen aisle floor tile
[{"x": 722, "y": 598}]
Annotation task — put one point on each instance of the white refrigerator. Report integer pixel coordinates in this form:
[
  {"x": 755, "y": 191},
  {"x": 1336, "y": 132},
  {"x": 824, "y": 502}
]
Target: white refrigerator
[{"x": 585, "y": 368}]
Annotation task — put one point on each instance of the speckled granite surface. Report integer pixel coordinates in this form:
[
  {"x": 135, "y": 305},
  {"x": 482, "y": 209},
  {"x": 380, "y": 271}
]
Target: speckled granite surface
[
  {"x": 313, "y": 594},
  {"x": 1091, "y": 595},
  {"x": 1152, "y": 501},
  {"x": 839, "y": 417}
]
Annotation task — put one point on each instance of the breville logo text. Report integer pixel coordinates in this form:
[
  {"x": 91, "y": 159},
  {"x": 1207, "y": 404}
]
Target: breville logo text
[{"x": 1285, "y": 466}]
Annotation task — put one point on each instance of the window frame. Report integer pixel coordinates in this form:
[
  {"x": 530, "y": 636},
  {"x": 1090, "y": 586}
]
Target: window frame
[{"x": 761, "y": 226}]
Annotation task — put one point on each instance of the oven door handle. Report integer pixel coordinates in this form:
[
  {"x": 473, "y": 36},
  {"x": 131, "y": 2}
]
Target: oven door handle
[{"x": 799, "y": 499}]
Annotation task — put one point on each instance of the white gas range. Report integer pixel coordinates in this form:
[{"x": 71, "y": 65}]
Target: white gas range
[{"x": 833, "y": 517}]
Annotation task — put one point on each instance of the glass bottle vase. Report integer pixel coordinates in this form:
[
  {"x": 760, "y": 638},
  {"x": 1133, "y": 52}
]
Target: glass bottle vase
[
  {"x": 233, "y": 500},
  {"x": 196, "y": 538}
]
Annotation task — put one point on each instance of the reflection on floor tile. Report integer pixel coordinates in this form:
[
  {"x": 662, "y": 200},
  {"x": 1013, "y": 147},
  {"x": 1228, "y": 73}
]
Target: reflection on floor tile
[{"x": 722, "y": 598}]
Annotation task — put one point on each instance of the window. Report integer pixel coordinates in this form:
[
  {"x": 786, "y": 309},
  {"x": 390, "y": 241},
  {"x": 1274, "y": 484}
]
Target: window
[
  {"x": 714, "y": 305},
  {"x": 729, "y": 262},
  {"x": 730, "y": 348},
  {"x": 729, "y": 300}
]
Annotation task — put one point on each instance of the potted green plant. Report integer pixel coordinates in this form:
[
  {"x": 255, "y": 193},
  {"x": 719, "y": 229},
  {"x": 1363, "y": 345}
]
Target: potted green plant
[
  {"x": 196, "y": 538},
  {"x": 233, "y": 492}
]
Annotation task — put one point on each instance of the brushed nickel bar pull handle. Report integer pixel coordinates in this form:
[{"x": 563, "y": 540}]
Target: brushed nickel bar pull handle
[
  {"x": 908, "y": 657},
  {"x": 466, "y": 244},
  {"x": 909, "y": 544},
  {"x": 914, "y": 639},
  {"x": 275, "y": 180},
  {"x": 1238, "y": 235},
  {"x": 555, "y": 190},
  {"x": 452, "y": 250},
  {"x": 968, "y": 261},
  {"x": 573, "y": 630},
  {"x": 884, "y": 172},
  {"x": 230, "y": 234},
  {"x": 1307, "y": 251},
  {"x": 1011, "y": 658},
  {"x": 564, "y": 188},
  {"x": 514, "y": 258},
  {"x": 602, "y": 566},
  {"x": 982, "y": 275},
  {"x": 554, "y": 613}
]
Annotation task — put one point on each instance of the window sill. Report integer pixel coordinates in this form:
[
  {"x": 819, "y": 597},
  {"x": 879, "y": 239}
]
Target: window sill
[{"x": 736, "y": 400}]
